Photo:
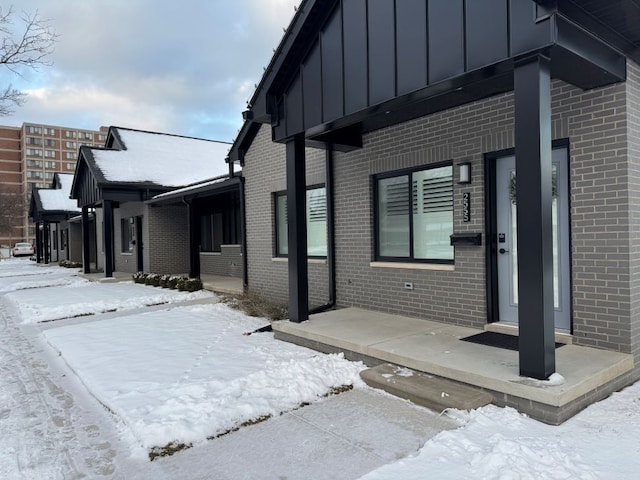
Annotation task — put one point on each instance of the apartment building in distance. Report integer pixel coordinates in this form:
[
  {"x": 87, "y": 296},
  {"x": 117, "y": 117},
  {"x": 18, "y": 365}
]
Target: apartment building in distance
[{"x": 30, "y": 155}]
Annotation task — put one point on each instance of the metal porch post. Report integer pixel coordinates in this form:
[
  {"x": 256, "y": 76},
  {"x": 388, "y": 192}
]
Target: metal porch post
[
  {"x": 38, "y": 243},
  {"x": 47, "y": 242},
  {"x": 296, "y": 205},
  {"x": 194, "y": 242},
  {"x": 534, "y": 200},
  {"x": 107, "y": 206},
  {"x": 86, "y": 245}
]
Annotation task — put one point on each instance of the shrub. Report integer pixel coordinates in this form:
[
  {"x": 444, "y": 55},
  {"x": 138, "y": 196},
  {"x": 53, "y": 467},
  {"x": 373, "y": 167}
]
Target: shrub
[
  {"x": 256, "y": 305},
  {"x": 67, "y": 263},
  {"x": 139, "y": 277},
  {"x": 173, "y": 281},
  {"x": 193, "y": 285},
  {"x": 168, "y": 281},
  {"x": 152, "y": 279}
]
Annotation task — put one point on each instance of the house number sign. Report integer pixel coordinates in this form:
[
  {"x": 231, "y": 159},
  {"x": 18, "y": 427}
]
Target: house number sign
[{"x": 466, "y": 207}]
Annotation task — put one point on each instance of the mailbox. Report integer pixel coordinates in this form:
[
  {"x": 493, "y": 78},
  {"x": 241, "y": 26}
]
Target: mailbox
[{"x": 462, "y": 239}]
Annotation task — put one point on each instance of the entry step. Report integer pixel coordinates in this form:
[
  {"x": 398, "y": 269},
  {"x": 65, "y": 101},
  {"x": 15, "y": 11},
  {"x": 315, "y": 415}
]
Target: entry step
[{"x": 423, "y": 389}]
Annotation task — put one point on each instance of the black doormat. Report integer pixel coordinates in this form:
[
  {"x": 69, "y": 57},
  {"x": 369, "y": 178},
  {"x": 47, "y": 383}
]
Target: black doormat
[{"x": 499, "y": 340}]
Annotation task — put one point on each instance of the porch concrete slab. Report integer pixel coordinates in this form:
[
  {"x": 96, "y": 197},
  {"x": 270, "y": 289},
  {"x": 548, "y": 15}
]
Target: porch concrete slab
[
  {"x": 220, "y": 284},
  {"x": 356, "y": 329},
  {"x": 116, "y": 277},
  {"x": 435, "y": 348}
]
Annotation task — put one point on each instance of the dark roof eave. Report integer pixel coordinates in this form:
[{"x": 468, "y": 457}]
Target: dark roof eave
[{"x": 197, "y": 192}]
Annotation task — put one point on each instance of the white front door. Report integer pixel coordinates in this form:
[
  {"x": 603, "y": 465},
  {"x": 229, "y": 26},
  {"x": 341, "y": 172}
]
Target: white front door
[{"x": 507, "y": 240}]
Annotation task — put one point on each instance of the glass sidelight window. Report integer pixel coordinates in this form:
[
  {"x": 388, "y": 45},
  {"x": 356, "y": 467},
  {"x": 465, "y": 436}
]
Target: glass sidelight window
[
  {"x": 414, "y": 215},
  {"x": 316, "y": 223},
  {"x": 127, "y": 232}
]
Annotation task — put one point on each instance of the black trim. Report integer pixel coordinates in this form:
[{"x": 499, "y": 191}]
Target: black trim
[
  {"x": 491, "y": 226},
  {"x": 376, "y": 224}
]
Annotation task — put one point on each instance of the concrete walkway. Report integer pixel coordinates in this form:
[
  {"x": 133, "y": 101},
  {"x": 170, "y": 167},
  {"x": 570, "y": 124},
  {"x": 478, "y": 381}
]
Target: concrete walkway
[{"x": 342, "y": 437}]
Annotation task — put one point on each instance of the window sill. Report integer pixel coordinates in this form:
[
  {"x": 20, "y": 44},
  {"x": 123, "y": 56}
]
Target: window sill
[
  {"x": 210, "y": 254},
  {"x": 414, "y": 266},
  {"x": 126, "y": 254},
  {"x": 319, "y": 261}
]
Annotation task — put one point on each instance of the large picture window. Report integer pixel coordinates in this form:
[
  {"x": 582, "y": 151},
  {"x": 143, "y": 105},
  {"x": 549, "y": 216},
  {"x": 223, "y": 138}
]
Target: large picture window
[
  {"x": 316, "y": 223},
  {"x": 414, "y": 215}
]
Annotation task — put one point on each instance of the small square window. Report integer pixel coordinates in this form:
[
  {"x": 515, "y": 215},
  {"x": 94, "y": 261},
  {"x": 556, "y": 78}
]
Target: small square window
[{"x": 316, "y": 213}]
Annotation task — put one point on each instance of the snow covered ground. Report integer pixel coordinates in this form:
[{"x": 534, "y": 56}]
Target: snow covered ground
[
  {"x": 184, "y": 372},
  {"x": 188, "y": 373}
]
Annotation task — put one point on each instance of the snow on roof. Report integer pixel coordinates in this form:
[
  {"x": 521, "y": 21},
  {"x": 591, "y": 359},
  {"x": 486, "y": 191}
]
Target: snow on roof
[
  {"x": 54, "y": 199},
  {"x": 190, "y": 188},
  {"x": 166, "y": 160}
]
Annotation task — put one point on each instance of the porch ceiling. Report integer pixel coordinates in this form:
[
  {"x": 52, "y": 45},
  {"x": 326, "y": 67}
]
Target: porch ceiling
[{"x": 615, "y": 21}]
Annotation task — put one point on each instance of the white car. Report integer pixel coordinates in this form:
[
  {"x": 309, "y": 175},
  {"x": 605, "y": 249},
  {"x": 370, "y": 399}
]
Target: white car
[{"x": 22, "y": 248}]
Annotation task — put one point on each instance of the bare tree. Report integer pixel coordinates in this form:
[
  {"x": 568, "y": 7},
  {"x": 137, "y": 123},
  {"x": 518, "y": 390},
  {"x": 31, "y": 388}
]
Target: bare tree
[
  {"x": 29, "y": 48},
  {"x": 12, "y": 210}
]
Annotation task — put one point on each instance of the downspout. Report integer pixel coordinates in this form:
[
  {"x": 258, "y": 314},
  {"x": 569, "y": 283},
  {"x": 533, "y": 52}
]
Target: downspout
[{"x": 331, "y": 248}]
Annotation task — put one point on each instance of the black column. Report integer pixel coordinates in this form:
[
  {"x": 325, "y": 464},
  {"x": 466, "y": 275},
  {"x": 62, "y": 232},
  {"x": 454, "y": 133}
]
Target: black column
[
  {"x": 47, "y": 242},
  {"x": 86, "y": 241},
  {"x": 534, "y": 200},
  {"x": 107, "y": 210},
  {"x": 38, "y": 243},
  {"x": 296, "y": 205},
  {"x": 194, "y": 241}
]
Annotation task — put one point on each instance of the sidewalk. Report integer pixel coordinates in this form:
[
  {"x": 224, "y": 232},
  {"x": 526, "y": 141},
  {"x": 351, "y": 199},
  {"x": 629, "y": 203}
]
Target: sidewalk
[{"x": 53, "y": 427}]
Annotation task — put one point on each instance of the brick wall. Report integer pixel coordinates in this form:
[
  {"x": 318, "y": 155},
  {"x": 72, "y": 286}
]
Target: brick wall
[
  {"x": 604, "y": 228},
  {"x": 264, "y": 171},
  {"x": 167, "y": 240},
  {"x": 227, "y": 263},
  {"x": 633, "y": 138}
]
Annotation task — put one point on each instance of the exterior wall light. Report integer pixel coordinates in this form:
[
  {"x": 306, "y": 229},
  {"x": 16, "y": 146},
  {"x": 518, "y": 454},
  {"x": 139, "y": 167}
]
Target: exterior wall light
[{"x": 464, "y": 173}]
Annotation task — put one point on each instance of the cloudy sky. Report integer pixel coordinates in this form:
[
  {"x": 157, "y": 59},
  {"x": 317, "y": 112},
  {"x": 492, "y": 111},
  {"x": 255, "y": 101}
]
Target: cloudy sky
[{"x": 186, "y": 67}]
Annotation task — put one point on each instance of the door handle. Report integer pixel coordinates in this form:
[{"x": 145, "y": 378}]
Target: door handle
[{"x": 503, "y": 251}]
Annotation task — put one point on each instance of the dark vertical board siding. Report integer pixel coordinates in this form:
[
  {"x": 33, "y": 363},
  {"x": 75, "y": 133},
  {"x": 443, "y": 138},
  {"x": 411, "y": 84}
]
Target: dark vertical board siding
[
  {"x": 280, "y": 130},
  {"x": 355, "y": 55},
  {"x": 487, "y": 32},
  {"x": 446, "y": 39},
  {"x": 332, "y": 76},
  {"x": 526, "y": 34},
  {"x": 382, "y": 65},
  {"x": 293, "y": 106},
  {"x": 312, "y": 88},
  {"x": 411, "y": 35}
]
